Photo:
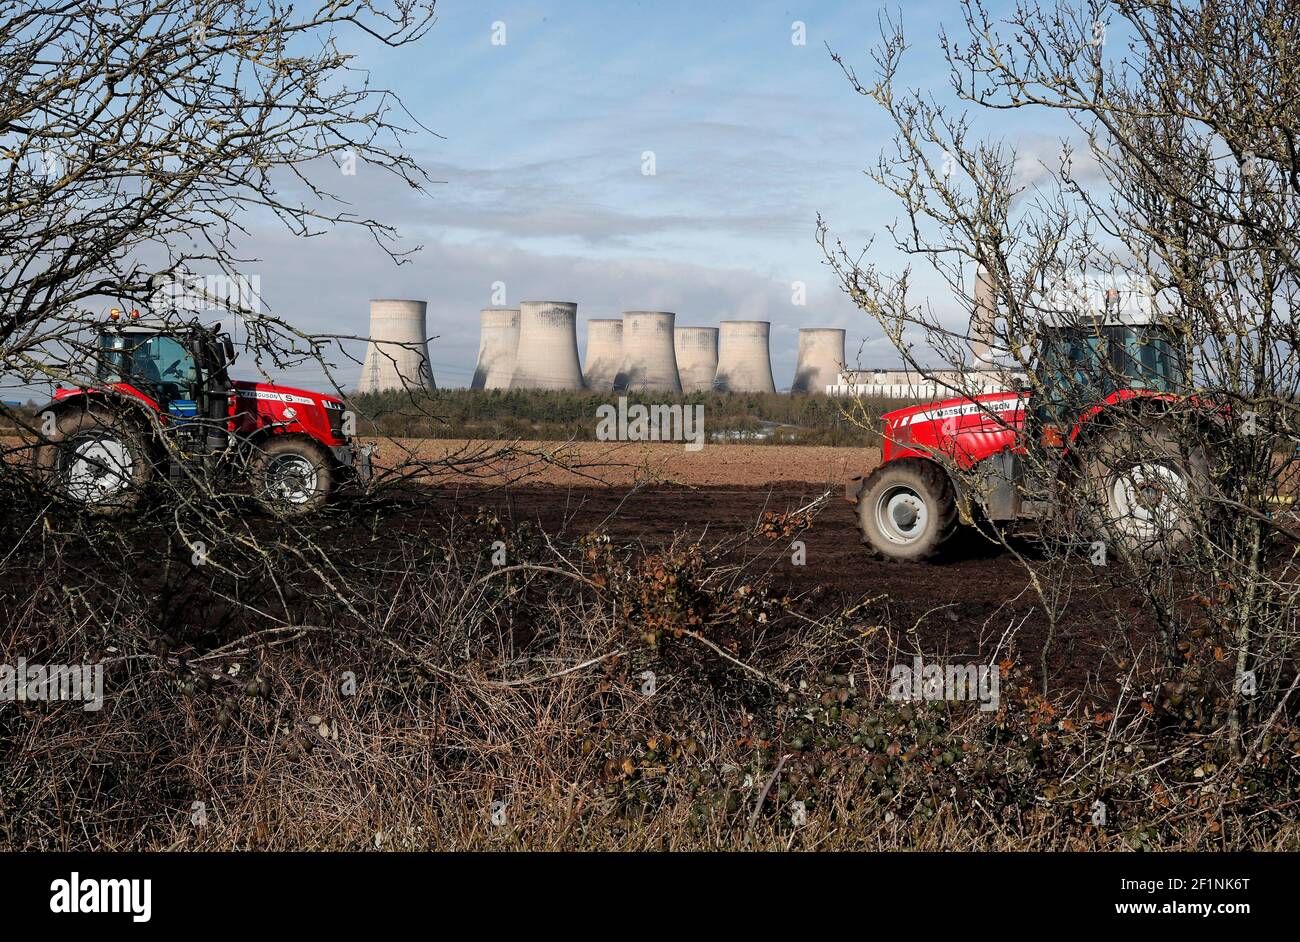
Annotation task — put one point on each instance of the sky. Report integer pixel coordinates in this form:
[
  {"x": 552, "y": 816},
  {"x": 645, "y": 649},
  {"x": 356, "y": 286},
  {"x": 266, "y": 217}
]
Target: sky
[
  {"x": 542, "y": 142},
  {"x": 541, "y": 145}
]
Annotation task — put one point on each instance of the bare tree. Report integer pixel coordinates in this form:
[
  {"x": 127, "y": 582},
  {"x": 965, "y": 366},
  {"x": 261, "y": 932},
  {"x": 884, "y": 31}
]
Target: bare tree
[
  {"x": 140, "y": 138},
  {"x": 1185, "y": 117}
]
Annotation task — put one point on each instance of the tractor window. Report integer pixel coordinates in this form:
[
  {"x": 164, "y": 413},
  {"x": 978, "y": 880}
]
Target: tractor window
[
  {"x": 1147, "y": 357},
  {"x": 1073, "y": 369},
  {"x": 155, "y": 362}
]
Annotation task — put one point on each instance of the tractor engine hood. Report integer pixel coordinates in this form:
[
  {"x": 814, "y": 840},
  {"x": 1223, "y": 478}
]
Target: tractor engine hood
[
  {"x": 261, "y": 405},
  {"x": 964, "y": 429}
]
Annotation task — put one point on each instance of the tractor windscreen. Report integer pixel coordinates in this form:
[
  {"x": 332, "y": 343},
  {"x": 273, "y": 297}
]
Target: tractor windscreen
[
  {"x": 152, "y": 361},
  {"x": 1081, "y": 366}
]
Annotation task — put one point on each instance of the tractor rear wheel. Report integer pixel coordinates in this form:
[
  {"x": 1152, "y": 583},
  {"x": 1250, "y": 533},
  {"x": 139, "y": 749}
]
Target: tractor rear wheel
[
  {"x": 95, "y": 459},
  {"x": 1138, "y": 489},
  {"x": 291, "y": 477},
  {"x": 906, "y": 510}
]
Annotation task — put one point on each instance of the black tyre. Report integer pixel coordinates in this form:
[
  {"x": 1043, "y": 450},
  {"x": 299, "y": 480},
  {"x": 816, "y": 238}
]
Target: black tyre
[
  {"x": 906, "y": 510},
  {"x": 95, "y": 459},
  {"x": 291, "y": 477},
  {"x": 1137, "y": 490}
]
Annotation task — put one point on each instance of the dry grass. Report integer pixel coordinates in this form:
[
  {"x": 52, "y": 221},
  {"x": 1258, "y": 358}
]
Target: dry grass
[{"x": 525, "y": 685}]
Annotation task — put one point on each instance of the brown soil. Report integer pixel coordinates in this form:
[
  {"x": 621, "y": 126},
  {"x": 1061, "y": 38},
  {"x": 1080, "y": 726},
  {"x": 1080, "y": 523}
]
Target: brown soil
[
  {"x": 624, "y": 463},
  {"x": 973, "y": 597}
]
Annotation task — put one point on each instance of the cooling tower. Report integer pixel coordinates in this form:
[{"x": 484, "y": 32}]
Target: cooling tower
[
  {"x": 604, "y": 352},
  {"x": 744, "y": 364},
  {"x": 821, "y": 358},
  {"x": 398, "y": 355},
  {"x": 981, "y": 321},
  {"x": 649, "y": 362},
  {"x": 498, "y": 340},
  {"x": 697, "y": 357},
  {"x": 548, "y": 346}
]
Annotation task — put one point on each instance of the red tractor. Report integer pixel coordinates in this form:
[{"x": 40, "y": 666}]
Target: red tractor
[
  {"x": 163, "y": 404},
  {"x": 1091, "y": 444}
]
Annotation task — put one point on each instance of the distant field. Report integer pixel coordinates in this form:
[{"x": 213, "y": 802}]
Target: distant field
[{"x": 623, "y": 463}]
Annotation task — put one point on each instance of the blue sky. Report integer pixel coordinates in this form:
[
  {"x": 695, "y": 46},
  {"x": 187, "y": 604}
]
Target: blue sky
[
  {"x": 540, "y": 168},
  {"x": 539, "y": 153}
]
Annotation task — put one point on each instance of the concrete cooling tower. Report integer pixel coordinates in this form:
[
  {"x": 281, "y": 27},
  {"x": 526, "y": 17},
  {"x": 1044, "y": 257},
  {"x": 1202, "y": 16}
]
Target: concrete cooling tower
[
  {"x": 697, "y": 357},
  {"x": 821, "y": 359},
  {"x": 981, "y": 321},
  {"x": 548, "y": 346},
  {"x": 604, "y": 352},
  {"x": 649, "y": 362},
  {"x": 498, "y": 340},
  {"x": 744, "y": 363},
  {"x": 398, "y": 354}
]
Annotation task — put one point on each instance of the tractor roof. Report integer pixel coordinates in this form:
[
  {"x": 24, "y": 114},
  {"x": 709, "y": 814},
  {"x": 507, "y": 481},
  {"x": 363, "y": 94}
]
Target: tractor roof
[{"x": 153, "y": 326}]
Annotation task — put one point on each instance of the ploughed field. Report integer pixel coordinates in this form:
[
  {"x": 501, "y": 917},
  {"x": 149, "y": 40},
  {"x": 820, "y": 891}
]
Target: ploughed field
[
  {"x": 972, "y": 601},
  {"x": 963, "y": 604},
  {"x": 624, "y": 463},
  {"x": 959, "y": 606}
]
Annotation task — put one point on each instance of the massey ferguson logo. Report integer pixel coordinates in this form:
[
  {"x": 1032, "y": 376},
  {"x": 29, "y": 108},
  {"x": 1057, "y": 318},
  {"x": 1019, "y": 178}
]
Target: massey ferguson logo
[
  {"x": 274, "y": 396},
  {"x": 967, "y": 408}
]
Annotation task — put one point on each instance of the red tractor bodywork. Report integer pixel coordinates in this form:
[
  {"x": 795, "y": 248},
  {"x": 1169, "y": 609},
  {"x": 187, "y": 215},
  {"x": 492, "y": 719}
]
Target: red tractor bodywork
[
  {"x": 255, "y": 409},
  {"x": 162, "y": 401},
  {"x": 988, "y": 429},
  {"x": 964, "y": 430},
  {"x": 968, "y": 430}
]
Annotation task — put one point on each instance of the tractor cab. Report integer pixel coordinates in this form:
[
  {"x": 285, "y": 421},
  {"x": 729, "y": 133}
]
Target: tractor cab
[
  {"x": 1085, "y": 359},
  {"x": 182, "y": 367}
]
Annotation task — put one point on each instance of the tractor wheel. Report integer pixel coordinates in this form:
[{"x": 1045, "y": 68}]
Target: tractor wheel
[
  {"x": 97, "y": 460},
  {"x": 906, "y": 509},
  {"x": 291, "y": 477},
  {"x": 1137, "y": 489}
]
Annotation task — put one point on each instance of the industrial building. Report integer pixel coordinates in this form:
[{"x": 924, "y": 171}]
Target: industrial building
[
  {"x": 497, "y": 345},
  {"x": 397, "y": 356},
  {"x": 744, "y": 360},
  {"x": 697, "y": 357},
  {"x": 604, "y": 352},
  {"x": 547, "y": 357},
  {"x": 940, "y": 383},
  {"x": 649, "y": 361},
  {"x": 821, "y": 358}
]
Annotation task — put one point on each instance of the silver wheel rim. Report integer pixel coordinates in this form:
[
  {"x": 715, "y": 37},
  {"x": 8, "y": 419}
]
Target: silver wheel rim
[
  {"x": 291, "y": 479},
  {"x": 1148, "y": 499},
  {"x": 98, "y": 467},
  {"x": 901, "y": 515}
]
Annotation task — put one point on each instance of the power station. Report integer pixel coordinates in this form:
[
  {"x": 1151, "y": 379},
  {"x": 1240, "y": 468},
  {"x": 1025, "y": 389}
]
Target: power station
[
  {"x": 547, "y": 356},
  {"x": 697, "y": 357},
  {"x": 821, "y": 360},
  {"x": 744, "y": 361},
  {"x": 604, "y": 352},
  {"x": 535, "y": 346},
  {"x": 397, "y": 356},
  {"x": 497, "y": 344},
  {"x": 649, "y": 362}
]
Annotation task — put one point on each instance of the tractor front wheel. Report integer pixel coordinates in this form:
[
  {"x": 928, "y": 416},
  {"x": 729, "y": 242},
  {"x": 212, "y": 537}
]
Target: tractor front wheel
[
  {"x": 95, "y": 459},
  {"x": 291, "y": 477},
  {"x": 906, "y": 510}
]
